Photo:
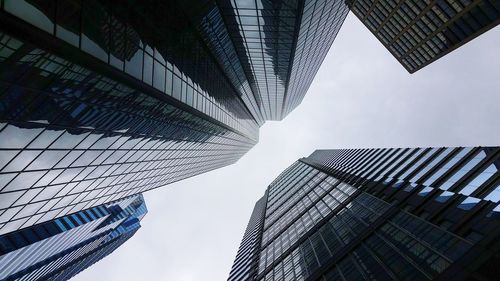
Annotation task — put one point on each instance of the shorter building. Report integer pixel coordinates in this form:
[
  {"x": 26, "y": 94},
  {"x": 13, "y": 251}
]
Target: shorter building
[
  {"x": 61, "y": 248},
  {"x": 378, "y": 214},
  {"x": 420, "y": 32}
]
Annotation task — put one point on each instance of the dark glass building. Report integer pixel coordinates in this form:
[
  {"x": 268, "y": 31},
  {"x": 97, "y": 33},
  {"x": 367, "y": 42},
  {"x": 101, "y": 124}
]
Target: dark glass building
[
  {"x": 419, "y": 32},
  {"x": 280, "y": 45},
  {"x": 103, "y": 99},
  {"x": 378, "y": 214},
  {"x": 61, "y": 248}
]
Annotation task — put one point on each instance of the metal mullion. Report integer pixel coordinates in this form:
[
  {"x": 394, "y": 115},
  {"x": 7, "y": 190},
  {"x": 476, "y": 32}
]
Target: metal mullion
[
  {"x": 42, "y": 151},
  {"x": 377, "y": 259},
  {"x": 370, "y": 8},
  {"x": 455, "y": 167},
  {"x": 405, "y": 257},
  {"x": 363, "y": 166},
  {"x": 124, "y": 183},
  {"x": 356, "y": 156},
  {"x": 415, "y": 169},
  {"x": 315, "y": 227},
  {"x": 427, "y": 245},
  {"x": 475, "y": 171},
  {"x": 358, "y": 161},
  {"x": 392, "y": 13},
  {"x": 376, "y": 163},
  {"x": 394, "y": 155},
  {"x": 301, "y": 213},
  {"x": 291, "y": 195},
  {"x": 439, "y": 30},
  {"x": 301, "y": 174},
  {"x": 297, "y": 29}
]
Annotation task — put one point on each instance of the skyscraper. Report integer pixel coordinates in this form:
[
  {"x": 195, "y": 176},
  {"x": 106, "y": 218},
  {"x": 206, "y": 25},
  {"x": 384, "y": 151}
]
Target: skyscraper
[
  {"x": 61, "y": 248},
  {"x": 280, "y": 45},
  {"x": 378, "y": 214},
  {"x": 420, "y": 32},
  {"x": 103, "y": 99}
]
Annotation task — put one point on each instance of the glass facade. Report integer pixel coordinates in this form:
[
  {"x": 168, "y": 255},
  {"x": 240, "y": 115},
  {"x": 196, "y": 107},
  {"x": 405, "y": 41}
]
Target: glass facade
[
  {"x": 71, "y": 139},
  {"x": 420, "y": 32},
  {"x": 103, "y": 99},
  {"x": 162, "y": 54},
  {"x": 244, "y": 264},
  {"x": 368, "y": 214},
  {"x": 272, "y": 49},
  {"x": 61, "y": 248}
]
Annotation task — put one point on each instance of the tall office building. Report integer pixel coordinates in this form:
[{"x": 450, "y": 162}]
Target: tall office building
[
  {"x": 103, "y": 99},
  {"x": 61, "y": 248},
  {"x": 275, "y": 47},
  {"x": 419, "y": 32},
  {"x": 378, "y": 214}
]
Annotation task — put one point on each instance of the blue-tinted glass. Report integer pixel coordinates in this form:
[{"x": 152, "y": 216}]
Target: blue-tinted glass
[
  {"x": 479, "y": 180},
  {"x": 444, "y": 196},
  {"x": 468, "y": 203},
  {"x": 447, "y": 166},
  {"x": 494, "y": 194},
  {"x": 463, "y": 170}
]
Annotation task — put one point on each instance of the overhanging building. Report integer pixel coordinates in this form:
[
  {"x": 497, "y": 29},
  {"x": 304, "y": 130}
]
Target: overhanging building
[
  {"x": 419, "y": 32},
  {"x": 103, "y": 99},
  {"x": 378, "y": 214}
]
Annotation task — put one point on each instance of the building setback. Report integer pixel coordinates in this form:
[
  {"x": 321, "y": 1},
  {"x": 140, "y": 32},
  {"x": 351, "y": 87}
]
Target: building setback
[
  {"x": 419, "y": 32},
  {"x": 61, "y": 248},
  {"x": 104, "y": 99},
  {"x": 378, "y": 214}
]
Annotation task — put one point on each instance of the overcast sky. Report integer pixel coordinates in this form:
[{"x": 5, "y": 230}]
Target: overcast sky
[{"x": 361, "y": 97}]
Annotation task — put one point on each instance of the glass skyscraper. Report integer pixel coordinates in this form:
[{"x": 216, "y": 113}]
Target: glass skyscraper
[
  {"x": 61, "y": 248},
  {"x": 378, "y": 214},
  {"x": 280, "y": 43},
  {"x": 104, "y": 99},
  {"x": 419, "y": 32}
]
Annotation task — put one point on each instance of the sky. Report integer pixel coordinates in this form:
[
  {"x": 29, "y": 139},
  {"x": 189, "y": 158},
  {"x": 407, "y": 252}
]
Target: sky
[{"x": 361, "y": 97}]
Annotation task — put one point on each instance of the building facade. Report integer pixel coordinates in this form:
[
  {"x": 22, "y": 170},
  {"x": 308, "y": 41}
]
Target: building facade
[
  {"x": 378, "y": 214},
  {"x": 420, "y": 32},
  {"x": 61, "y": 248},
  {"x": 280, "y": 45},
  {"x": 103, "y": 99}
]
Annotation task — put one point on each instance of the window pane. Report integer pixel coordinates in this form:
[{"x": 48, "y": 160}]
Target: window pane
[
  {"x": 159, "y": 76},
  {"x": 15, "y": 137},
  {"x": 6, "y": 199},
  {"x": 47, "y": 160},
  {"x": 133, "y": 64},
  {"x": 22, "y": 160},
  {"x": 479, "y": 180},
  {"x": 148, "y": 69},
  {"x": 24, "y": 181}
]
